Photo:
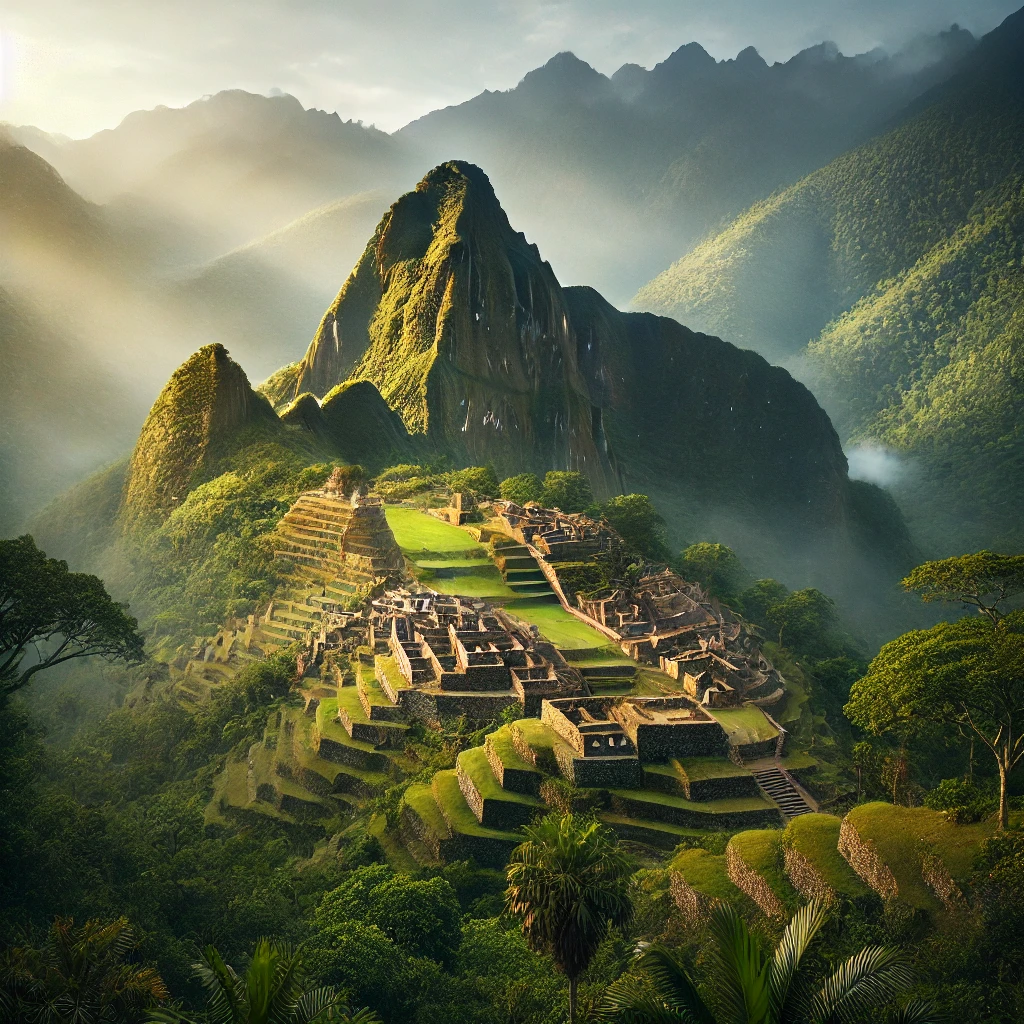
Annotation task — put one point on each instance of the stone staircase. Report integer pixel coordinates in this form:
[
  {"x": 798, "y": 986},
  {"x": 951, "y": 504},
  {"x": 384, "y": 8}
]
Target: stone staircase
[{"x": 778, "y": 787}]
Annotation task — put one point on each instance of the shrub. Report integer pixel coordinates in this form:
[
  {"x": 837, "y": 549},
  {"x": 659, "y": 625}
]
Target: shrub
[
  {"x": 567, "y": 491},
  {"x": 962, "y": 799},
  {"x": 481, "y": 480},
  {"x": 521, "y": 488}
]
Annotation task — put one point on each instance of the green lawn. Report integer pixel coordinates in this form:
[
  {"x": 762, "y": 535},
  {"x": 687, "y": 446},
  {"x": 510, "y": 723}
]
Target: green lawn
[
  {"x": 416, "y": 531},
  {"x": 558, "y": 626},
  {"x": 725, "y": 805},
  {"x": 816, "y": 836},
  {"x": 486, "y": 582},
  {"x": 744, "y": 725}
]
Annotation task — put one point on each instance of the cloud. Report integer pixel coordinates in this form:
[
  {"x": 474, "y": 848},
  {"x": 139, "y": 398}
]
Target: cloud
[
  {"x": 80, "y": 67},
  {"x": 878, "y": 465}
]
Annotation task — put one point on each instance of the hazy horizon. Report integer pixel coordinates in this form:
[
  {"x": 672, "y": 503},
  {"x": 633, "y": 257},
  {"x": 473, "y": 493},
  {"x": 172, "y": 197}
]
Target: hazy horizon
[{"x": 75, "y": 71}]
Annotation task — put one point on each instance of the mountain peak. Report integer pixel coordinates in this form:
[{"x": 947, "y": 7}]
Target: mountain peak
[
  {"x": 749, "y": 58},
  {"x": 566, "y": 73},
  {"x": 688, "y": 60}
]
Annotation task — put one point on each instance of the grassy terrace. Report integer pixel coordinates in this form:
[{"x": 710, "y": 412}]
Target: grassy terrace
[
  {"x": 662, "y": 828},
  {"x": 561, "y": 628},
  {"x": 761, "y": 850},
  {"x": 697, "y": 768},
  {"x": 744, "y": 725},
  {"x": 474, "y": 763},
  {"x": 390, "y": 668},
  {"x": 903, "y": 835},
  {"x": 501, "y": 741},
  {"x": 816, "y": 836},
  {"x": 727, "y": 805},
  {"x": 706, "y": 873},
  {"x": 416, "y": 532},
  {"x": 372, "y": 689},
  {"x": 455, "y": 809},
  {"x": 331, "y": 729},
  {"x": 420, "y": 797},
  {"x": 486, "y": 583}
]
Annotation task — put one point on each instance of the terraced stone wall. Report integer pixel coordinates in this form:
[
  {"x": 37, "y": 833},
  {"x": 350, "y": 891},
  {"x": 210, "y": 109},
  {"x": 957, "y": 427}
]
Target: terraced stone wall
[
  {"x": 860, "y": 854},
  {"x": 805, "y": 877},
  {"x": 753, "y": 884},
  {"x": 599, "y": 772},
  {"x": 694, "y": 739}
]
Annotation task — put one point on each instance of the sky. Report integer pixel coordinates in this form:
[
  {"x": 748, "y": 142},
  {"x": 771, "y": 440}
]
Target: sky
[{"x": 77, "y": 66}]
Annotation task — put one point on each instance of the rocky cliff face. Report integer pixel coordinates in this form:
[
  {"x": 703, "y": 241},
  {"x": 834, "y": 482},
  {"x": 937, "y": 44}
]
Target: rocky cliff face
[
  {"x": 202, "y": 412},
  {"x": 463, "y": 329}
]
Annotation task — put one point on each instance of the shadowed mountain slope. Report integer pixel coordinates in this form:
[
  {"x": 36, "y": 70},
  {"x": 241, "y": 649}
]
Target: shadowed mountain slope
[{"x": 911, "y": 247}]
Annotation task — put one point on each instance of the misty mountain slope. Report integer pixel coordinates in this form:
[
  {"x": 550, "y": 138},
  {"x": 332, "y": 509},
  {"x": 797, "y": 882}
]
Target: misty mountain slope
[
  {"x": 911, "y": 246},
  {"x": 231, "y": 167},
  {"x": 467, "y": 334},
  {"x": 616, "y": 176},
  {"x": 264, "y": 299}
]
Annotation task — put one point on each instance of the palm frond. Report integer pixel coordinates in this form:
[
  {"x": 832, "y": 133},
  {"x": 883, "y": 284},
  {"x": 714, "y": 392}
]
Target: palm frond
[
  {"x": 798, "y": 935},
  {"x": 917, "y": 1011},
  {"x": 673, "y": 984},
  {"x": 222, "y": 985},
  {"x": 314, "y": 1006},
  {"x": 628, "y": 1001},
  {"x": 741, "y": 978},
  {"x": 870, "y": 978}
]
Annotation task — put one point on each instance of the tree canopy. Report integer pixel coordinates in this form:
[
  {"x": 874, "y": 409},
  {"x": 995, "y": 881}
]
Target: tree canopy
[
  {"x": 521, "y": 488},
  {"x": 984, "y": 579},
  {"x": 638, "y": 522},
  {"x": 715, "y": 567},
  {"x": 567, "y": 491},
  {"x": 968, "y": 673},
  {"x": 56, "y": 615}
]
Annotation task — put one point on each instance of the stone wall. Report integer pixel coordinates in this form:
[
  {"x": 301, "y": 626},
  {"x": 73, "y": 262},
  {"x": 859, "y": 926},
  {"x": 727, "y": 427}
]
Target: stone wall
[
  {"x": 940, "y": 881},
  {"x": 598, "y": 772},
  {"x": 690, "y": 818},
  {"x": 341, "y": 753},
  {"x": 692, "y": 905},
  {"x": 805, "y": 877},
  {"x": 515, "y": 780},
  {"x": 861, "y": 855},
  {"x": 505, "y": 815},
  {"x": 692, "y": 739},
  {"x": 754, "y": 885},
  {"x": 543, "y": 760}
]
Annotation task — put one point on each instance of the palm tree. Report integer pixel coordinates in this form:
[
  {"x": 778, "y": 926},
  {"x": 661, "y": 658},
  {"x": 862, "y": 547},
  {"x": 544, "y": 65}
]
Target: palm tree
[
  {"x": 273, "y": 990},
  {"x": 750, "y": 985},
  {"x": 569, "y": 881},
  {"x": 78, "y": 975}
]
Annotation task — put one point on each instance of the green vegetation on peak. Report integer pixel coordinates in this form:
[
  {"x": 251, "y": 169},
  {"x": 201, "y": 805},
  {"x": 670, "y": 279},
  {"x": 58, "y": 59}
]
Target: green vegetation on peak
[{"x": 198, "y": 418}]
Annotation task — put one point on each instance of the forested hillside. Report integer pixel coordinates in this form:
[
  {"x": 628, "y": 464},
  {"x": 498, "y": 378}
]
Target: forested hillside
[{"x": 900, "y": 264}]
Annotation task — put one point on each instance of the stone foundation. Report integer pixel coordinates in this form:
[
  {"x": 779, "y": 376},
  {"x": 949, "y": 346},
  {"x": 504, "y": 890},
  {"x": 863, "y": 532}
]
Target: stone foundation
[{"x": 515, "y": 780}]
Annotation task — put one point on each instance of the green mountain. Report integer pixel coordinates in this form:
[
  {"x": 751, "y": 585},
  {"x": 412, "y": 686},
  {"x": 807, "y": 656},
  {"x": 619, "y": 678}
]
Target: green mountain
[
  {"x": 466, "y": 333},
  {"x": 893, "y": 277}
]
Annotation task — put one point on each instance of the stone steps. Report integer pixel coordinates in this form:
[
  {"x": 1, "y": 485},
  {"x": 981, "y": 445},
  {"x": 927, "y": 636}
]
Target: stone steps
[{"x": 779, "y": 788}]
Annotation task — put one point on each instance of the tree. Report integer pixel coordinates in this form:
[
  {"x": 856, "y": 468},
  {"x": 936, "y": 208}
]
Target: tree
[
  {"x": 638, "y": 522},
  {"x": 521, "y": 488},
  {"x": 79, "y": 974},
  {"x": 478, "y": 479},
  {"x": 58, "y": 615},
  {"x": 421, "y": 916},
  {"x": 753, "y": 985},
  {"x": 714, "y": 566},
  {"x": 968, "y": 673},
  {"x": 274, "y": 990},
  {"x": 984, "y": 580},
  {"x": 567, "y": 491},
  {"x": 760, "y": 596},
  {"x": 569, "y": 882},
  {"x": 808, "y": 621}
]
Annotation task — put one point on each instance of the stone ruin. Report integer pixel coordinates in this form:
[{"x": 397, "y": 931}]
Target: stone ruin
[
  {"x": 456, "y": 647},
  {"x": 558, "y": 536}
]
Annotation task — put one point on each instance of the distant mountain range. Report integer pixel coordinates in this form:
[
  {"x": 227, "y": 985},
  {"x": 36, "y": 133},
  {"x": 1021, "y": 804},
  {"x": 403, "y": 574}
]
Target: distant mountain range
[{"x": 892, "y": 280}]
